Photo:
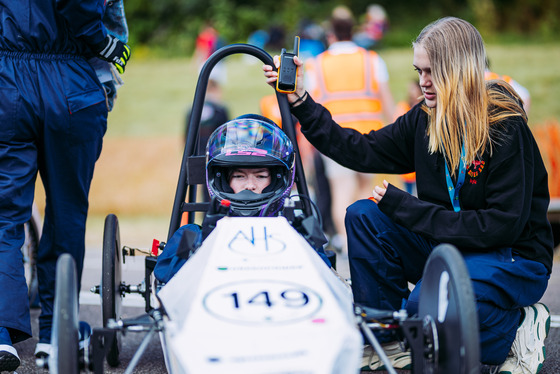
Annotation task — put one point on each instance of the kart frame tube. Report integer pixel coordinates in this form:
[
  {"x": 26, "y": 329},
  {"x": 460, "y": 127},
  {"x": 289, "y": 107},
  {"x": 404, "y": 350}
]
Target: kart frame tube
[{"x": 192, "y": 135}]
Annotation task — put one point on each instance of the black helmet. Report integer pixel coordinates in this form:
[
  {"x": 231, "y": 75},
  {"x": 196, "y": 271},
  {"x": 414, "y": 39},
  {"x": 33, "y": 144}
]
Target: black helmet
[{"x": 250, "y": 141}]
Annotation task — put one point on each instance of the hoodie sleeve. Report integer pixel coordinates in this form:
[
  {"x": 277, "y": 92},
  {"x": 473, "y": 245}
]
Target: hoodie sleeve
[{"x": 388, "y": 150}]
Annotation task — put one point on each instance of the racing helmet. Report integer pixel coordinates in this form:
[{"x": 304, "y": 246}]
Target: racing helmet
[{"x": 250, "y": 141}]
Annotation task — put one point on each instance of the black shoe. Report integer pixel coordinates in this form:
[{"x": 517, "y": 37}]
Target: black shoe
[{"x": 9, "y": 360}]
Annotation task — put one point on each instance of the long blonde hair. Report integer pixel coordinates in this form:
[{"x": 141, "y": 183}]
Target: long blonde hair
[{"x": 462, "y": 116}]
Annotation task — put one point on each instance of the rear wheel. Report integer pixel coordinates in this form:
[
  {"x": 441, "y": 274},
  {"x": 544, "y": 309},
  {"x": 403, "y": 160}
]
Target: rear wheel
[
  {"x": 29, "y": 251},
  {"x": 64, "y": 351},
  {"x": 447, "y": 303},
  {"x": 111, "y": 279}
]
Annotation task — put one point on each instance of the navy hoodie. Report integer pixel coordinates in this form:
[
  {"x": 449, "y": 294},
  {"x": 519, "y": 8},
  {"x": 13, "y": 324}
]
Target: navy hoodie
[{"x": 504, "y": 199}]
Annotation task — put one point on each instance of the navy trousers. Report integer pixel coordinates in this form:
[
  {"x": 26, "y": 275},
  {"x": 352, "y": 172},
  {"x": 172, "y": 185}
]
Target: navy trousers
[
  {"x": 384, "y": 257},
  {"x": 53, "y": 116}
]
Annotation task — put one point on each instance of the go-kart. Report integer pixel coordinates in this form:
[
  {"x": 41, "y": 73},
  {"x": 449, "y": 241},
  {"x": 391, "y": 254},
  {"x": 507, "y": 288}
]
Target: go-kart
[{"x": 255, "y": 297}]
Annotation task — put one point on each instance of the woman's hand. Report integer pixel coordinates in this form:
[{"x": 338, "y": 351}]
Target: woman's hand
[
  {"x": 379, "y": 192},
  {"x": 272, "y": 76}
]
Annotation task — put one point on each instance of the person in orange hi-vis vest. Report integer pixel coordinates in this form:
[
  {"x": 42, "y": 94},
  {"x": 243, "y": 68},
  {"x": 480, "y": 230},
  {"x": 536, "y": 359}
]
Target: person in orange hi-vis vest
[
  {"x": 521, "y": 91},
  {"x": 414, "y": 96},
  {"x": 353, "y": 84},
  {"x": 313, "y": 164}
]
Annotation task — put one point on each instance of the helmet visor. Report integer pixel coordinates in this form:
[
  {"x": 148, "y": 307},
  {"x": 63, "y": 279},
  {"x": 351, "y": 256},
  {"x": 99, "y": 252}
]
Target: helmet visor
[{"x": 249, "y": 142}]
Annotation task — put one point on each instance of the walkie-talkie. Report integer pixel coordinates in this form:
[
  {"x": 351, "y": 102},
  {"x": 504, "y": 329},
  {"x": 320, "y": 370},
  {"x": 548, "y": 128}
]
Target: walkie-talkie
[{"x": 287, "y": 72}]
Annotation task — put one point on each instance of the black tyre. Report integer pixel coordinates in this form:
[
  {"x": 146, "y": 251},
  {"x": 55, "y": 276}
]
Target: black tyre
[
  {"x": 111, "y": 296},
  {"x": 29, "y": 251},
  {"x": 447, "y": 298},
  {"x": 64, "y": 354}
]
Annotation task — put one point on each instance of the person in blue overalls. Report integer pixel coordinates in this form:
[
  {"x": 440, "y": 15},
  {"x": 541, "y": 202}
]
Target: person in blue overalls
[{"x": 53, "y": 115}]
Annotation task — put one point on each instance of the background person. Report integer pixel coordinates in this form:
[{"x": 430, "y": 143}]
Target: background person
[
  {"x": 468, "y": 137},
  {"x": 521, "y": 91},
  {"x": 214, "y": 112},
  {"x": 414, "y": 96},
  {"x": 312, "y": 162},
  {"x": 207, "y": 42},
  {"x": 353, "y": 84},
  {"x": 52, "y": 120},
  {"x": 373, "y": 29},
  {"x": 312, "y": 39}
]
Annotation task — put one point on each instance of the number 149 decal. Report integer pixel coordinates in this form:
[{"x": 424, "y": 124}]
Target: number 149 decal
[
  {"x": 262, "y": 302},
  {"x": 289, "y": 299}
]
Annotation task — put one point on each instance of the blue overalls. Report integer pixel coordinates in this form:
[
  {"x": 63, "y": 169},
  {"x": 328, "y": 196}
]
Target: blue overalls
[{"x": 53, "y": 116}]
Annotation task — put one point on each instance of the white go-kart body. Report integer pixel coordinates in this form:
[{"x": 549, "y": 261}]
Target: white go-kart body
[{"x": 256, "y": 298}]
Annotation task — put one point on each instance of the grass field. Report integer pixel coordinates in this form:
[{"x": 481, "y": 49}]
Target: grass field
[
  {"x": 137, "y": 173},
  {"x": 157, "y": 93}
]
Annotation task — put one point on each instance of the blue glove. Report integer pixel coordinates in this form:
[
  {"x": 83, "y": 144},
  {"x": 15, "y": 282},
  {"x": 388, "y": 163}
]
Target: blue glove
[{"x": 115, "y": 51}]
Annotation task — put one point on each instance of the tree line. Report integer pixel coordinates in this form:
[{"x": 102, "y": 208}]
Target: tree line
[{"x": 172, "y": 25}]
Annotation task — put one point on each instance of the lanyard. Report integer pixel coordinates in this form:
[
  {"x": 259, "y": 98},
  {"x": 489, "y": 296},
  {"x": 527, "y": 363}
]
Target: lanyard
[{"x": 454, "y": 189}]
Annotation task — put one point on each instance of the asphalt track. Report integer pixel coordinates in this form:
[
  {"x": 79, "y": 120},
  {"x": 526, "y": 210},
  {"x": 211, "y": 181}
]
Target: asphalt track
[{"x": 152, "y": 361}]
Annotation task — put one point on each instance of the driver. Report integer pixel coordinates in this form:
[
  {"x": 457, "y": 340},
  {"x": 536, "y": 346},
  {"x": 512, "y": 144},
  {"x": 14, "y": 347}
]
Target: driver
[
  {"x": 250, "y": 142},
  {"x": 250, "y": 163}
]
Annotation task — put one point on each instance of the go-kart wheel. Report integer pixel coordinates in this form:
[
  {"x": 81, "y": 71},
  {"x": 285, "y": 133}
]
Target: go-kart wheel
[
  {"x": 447, "y": 298},
  {"x": 29, "y": 249},
  {"x": 29, "y": 252},
  {"x": 64, "y": 349},
  {"x": 111, "y": 296}
]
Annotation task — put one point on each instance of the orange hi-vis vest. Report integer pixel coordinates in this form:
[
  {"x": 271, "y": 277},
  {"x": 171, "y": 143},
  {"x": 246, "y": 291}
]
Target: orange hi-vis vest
[
  {"x": 346, "y": 86},
  {"x": 488, "y": 75},
  {"x": 269, "y": 108}
]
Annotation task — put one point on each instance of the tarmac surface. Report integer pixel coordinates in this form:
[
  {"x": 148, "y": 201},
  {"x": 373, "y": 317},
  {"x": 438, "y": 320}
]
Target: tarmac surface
[{"x": 152, "y": 362}]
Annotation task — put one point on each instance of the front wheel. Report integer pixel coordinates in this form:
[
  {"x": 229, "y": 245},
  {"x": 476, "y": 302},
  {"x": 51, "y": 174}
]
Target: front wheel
[
  {"x": 29, "y": 251},
  {"x": 111, "y": 279},
  {"x": 64, "y": 344},
  {"x": 447, "y": 299}
]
